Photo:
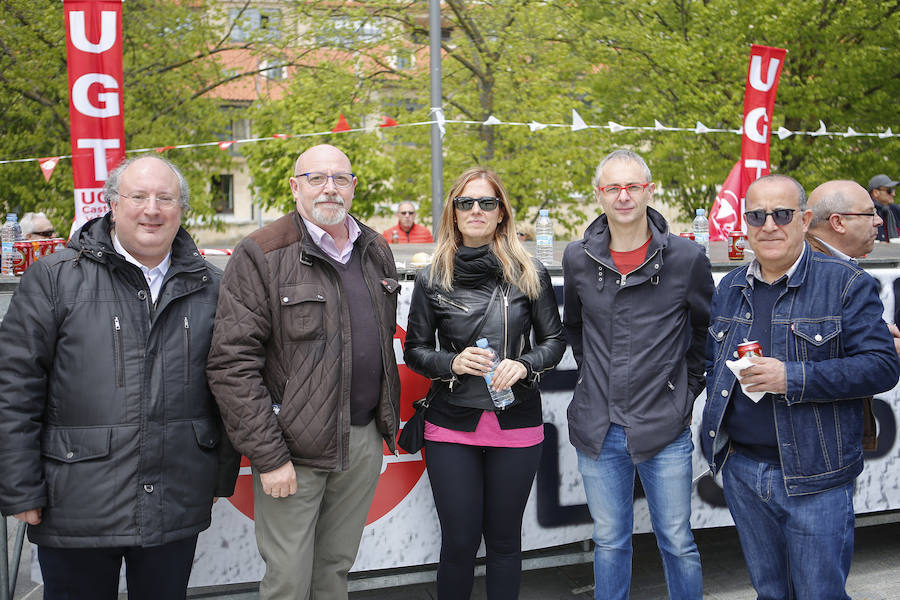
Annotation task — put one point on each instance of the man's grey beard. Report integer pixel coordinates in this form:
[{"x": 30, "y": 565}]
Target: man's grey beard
[{"x": 329, "y": 216}]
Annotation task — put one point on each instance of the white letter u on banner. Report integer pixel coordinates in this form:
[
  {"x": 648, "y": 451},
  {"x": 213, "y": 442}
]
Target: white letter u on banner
[
  {"x": 107, "y": 32},
  {"x": 756, "y": 70}
]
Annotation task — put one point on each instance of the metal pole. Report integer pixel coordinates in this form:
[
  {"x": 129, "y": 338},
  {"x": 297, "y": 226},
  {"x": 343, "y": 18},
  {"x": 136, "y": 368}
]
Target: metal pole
[{"x": 437, "y": 158}]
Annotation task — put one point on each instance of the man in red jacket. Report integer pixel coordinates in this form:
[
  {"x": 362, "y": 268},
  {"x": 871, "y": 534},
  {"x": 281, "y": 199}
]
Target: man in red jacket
[{"x": 407, "y": 231}]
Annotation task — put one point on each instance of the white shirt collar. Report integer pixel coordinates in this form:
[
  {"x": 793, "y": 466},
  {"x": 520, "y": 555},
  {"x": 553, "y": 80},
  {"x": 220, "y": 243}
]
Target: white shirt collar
[
  {"x": 325, "y": 241},
  {"x": 754, "y": 270},
  {"x": 154, "y": 276},
  {"x": 834, "y": 251}
]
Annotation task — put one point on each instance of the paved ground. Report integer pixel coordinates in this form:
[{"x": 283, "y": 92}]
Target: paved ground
[{"x": 875, "y": 574}]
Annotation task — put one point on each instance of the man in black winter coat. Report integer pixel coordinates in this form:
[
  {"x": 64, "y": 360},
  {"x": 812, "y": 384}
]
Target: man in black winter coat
[{"x": 110, "y": 442}]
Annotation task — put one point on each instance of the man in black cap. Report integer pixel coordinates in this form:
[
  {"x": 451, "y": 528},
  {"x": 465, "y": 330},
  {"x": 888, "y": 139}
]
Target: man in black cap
[{"x": 882, "y": 189}]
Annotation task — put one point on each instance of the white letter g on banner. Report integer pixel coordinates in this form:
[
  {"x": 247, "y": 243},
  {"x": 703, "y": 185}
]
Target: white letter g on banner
[{"x": 109, "y": 101}]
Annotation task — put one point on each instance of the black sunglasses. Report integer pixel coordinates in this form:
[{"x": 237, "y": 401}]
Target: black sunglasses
[
  {"x": 781, "y": 216},
  {"x": 487, "y": 203},
  {"x": 49, "y": 233}
]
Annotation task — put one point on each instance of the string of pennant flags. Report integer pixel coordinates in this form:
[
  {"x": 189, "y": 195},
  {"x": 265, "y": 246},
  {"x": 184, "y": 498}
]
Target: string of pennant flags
[{"x": 48, "y": 164}]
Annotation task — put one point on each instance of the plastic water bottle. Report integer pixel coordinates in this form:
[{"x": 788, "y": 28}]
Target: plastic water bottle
[
  {"x": 9, "y": 234},
  {"x": 701, "y": 230},
  {"x": 543, "y": 231},
  {"x": 503, "y": 398}
]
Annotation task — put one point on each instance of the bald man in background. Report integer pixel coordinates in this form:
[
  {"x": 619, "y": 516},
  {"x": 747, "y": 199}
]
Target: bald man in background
[{"x": 845, "y": 224}]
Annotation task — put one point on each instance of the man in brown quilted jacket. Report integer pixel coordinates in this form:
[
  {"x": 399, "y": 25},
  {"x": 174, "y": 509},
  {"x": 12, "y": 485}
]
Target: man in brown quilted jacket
[{"x": 309, "y": 408}]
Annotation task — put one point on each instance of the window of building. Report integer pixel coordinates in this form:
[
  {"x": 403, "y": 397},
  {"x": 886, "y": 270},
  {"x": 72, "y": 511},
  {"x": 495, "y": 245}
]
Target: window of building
[
  {"x": 255, "y": 22},
  {"x": 345, "y": 32},
  {"x": 222, "y": 187},
  {"x": 403, "y": 60},
  {"x": 272, "y": 70}
]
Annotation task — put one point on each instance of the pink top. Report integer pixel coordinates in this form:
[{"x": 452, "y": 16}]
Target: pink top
[{"x": 487, "y": 433}]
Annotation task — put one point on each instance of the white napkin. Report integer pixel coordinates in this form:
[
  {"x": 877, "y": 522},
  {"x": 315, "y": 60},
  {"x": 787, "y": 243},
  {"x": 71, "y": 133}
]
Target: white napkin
[{"x": 736, "y": 367}]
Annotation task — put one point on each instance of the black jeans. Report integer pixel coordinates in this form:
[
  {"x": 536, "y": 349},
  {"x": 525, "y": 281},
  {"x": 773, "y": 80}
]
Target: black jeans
[
  {"x": 480, "y": 490},
  {"x": 152, "y": 573}
]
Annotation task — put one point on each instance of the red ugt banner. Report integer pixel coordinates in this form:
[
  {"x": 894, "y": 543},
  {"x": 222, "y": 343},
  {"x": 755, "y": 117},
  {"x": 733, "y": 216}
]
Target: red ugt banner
[
  {"x": 94, "y": 49},
  {"x": 759, "y": 101}
]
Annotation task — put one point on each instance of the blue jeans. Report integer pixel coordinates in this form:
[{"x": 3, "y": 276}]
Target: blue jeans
[
  {"x": 609, "y": 487},
  {"x": 796, "y": 547}
]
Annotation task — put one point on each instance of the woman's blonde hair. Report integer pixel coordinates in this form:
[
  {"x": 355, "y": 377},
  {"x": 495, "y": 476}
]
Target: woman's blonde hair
[{"x": 517, "y": 266}]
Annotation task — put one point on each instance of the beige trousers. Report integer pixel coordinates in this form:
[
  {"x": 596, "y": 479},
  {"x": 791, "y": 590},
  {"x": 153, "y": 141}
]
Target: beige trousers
[{"x": 309, "y": 540}]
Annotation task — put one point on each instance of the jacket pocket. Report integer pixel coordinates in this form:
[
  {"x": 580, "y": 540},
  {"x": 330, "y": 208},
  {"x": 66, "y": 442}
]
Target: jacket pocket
[
  {"x": 69, "y": 452},
  {"x": 816, "y": 340},
  {"x": 206, "y": 432},
  {"x": 303, "y": 310},
  {"x": 119, "y": 352},
  {"x": 718, "y": 332}
]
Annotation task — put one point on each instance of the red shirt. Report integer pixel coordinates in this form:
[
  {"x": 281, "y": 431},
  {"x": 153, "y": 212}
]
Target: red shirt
[
  {"x": 626, "y": 262},
  {"x": 416, "y": 235}
]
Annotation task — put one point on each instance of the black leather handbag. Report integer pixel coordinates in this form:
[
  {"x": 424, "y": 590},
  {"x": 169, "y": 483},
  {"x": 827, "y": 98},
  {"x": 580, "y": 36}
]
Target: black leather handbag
[{"x": 412, "y": 438}]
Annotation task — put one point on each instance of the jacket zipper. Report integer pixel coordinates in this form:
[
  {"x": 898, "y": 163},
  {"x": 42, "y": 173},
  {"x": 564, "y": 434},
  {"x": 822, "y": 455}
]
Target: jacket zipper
[
  {"x": 117, "y": 343},
  {"x": 624, "y": 277},
  {"x": 187, "y": 349},
  {"x": 445, "y": 300},
  {"x": 395, "y": 413}
]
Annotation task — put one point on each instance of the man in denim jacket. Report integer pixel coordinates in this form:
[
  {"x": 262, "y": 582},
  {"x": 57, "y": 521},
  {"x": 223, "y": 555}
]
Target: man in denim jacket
[{"x": 789, "y": 459}]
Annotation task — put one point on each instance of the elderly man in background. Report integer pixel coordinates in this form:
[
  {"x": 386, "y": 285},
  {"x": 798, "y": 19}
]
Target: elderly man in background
[
  {"x": 36, "y": 226},
  {"x": 882, "y": 189},
  {"x": 111, "y": 443},
  {"x": 786, "y": 431},
  {"x": 407, "y": 231},
  {"x": 845, "y": 224}
]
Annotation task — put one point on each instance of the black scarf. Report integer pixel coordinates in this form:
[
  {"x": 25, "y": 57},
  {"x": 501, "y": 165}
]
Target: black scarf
[{"x": 474, "y": 267}]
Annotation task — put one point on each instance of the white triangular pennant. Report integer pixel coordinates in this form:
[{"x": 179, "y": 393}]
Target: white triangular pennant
[
  {"x": 821, "y": 130},
  {"x": 886, "y": 134},
  {"x": 535, "y": 126},
  {"x": 492, "y": 120},
  {"x": 851, "y": 132},
  {"x": 577, "y": 122},
  {"x": 701, "y": 128},
  {"x": 658, "y": 126},
  {"x": 784, "y": 133},
  {"x": 614, "y": 127}
]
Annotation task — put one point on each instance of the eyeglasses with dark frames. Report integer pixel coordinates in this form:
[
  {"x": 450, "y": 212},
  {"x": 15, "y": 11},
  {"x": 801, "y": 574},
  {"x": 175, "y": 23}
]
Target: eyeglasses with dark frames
[
  {"x": 407, "y": 212},
  {"x": 485, "y": 203},
  {"x": 47, "y": 233},
  {"x": 633, "y": 189},
  {"x": 781, "y": 216},
  {"x": 889, "y": 190},
  {"x": 871, "y": 215},
  {"x": 341, "y": 180}
]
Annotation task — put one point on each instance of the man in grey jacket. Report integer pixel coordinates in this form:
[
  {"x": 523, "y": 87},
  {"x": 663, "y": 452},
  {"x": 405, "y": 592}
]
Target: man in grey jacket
[
  {"x": 111, "y": 444},
  {"x": 636, "y": 311}
]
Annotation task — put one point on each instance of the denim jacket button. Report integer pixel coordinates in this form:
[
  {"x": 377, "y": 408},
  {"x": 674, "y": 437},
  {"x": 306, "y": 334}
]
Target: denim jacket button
[
  {"x": 724, "y": 393},
  {"x": 735, "y": 354},
  {"x": 712, "y": 433},
  {"x": 747, "y": 315},
  {"x": 720, "y": 335},
  {"x": 818, "y": 337}
]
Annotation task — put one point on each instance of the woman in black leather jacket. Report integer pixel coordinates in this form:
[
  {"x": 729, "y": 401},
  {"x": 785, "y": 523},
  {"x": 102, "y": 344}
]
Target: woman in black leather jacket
[{"x": 481, "y": 459}]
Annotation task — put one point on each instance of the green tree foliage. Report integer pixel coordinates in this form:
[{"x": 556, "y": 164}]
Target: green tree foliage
[
  {"x": 511, "y": 59},
  {"x": 169, "y": 71},
  {"x": 686, "y": 61}
]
